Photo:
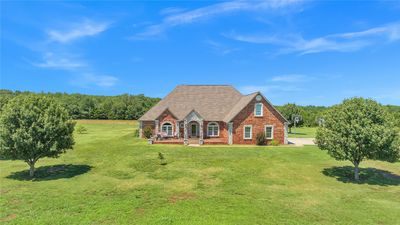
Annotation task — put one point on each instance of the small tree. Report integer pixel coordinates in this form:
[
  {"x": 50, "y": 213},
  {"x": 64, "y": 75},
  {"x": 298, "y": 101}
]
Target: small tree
[
  {"x": 289, "y": 111},
  {"x": 359, "y": 129},
  {"x": 81, "y": 129},
  {"x": 163, "y": 160},
  {"x": 33, "y": 127}
]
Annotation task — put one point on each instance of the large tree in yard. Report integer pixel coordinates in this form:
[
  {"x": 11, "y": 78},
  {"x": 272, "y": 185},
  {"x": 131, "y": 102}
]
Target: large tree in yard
[
  {"x": 289, "y": 111},
  {"x": 33, "y": 127},
  {"x": 359, "y": 129}
]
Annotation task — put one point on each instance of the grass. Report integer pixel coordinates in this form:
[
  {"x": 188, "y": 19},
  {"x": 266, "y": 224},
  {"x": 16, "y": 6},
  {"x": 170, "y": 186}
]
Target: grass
[
  {"x": 303, "y": 132},
  {"x": 113, "y": 178}
]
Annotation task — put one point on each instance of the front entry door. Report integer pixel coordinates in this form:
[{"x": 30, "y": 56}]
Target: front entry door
[{"x": 193, "y": 130}]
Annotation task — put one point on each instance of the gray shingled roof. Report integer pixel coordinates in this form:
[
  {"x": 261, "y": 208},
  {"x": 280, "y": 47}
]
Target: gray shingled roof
[{"x": 212, "y": 102}]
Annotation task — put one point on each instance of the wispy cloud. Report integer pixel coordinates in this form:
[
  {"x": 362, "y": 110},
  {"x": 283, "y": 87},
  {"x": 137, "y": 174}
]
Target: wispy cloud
[
  {"x": 88, "y": 80},
  {"x": 221, "y": 48},
  {"x": 341, "y": 42},
  {"x": 75, "y": 31},
  {"x": 291, "y": 78},
  {"x": 171, "y": 10},
  {"x": 56, "y": 61},
  {"x": 191, "y": 16}
]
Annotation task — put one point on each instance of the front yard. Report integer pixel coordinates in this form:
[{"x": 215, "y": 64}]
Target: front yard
[{"x": 113, "y": 178}]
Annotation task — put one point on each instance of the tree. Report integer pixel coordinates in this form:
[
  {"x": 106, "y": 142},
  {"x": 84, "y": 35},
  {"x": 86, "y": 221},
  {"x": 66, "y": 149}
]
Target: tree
[
  {"x": 33, "y": 127},
  {"x": 81, "y": 129},
  {"x": 359, "y": 129},
  {"x": 288, "y": 111}
]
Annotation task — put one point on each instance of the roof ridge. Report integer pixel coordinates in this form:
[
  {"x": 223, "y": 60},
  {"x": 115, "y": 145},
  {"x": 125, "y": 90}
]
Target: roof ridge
[{"x": 205, "y": 85}]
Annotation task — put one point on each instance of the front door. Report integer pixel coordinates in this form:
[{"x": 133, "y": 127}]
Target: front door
[{"x": 193, "y": 130}]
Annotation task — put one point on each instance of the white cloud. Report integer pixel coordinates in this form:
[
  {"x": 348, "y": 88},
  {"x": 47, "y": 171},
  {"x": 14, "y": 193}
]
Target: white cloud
[
  {"x": 221, "y": 48},
  {"x": 77, "y": 30},
  {"x": 187, "y": 17},
  {"x": 341, "y": 42},
  {"x": 55, "y": 61},
  {"x": 171, "y": 10},
  {"x": 89, "y": 80},
  {"x": 291, "y": 78}
]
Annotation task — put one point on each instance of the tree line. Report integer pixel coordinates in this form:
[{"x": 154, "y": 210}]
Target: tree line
[
  {"x": 310, "y": 116},
  {"x": 132, "y": 107},
  {"x": 81, "y": 106}
]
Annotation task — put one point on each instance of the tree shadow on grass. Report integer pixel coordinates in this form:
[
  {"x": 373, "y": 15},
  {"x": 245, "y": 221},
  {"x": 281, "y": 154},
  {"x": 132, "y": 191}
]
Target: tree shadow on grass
[
  {"x": 53, "y": 172},
  {"x": 370, "y": 176}
]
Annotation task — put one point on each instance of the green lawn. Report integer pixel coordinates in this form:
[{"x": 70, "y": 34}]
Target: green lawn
[
  {"x": 305, "y": 132},
  {"x": 112, "y": 178}
]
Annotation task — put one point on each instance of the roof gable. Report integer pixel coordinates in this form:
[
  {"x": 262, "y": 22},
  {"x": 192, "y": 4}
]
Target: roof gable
[
  {"x": 209, "y": 102},
  {"x": 212, "y": 102}
]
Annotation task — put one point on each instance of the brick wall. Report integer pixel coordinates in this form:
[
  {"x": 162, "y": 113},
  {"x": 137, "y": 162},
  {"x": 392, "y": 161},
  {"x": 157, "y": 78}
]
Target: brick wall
[
  {"x": 167, "y": 117},
  {"x": 148, "y": 124},
  {"x": 246, "y": 117},
  {"x": 223, "y": 130}
]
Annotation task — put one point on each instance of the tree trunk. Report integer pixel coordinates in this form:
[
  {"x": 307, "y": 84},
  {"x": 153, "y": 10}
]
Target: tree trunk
[
  {"x": 356, "y": 170},
  {"x": 31, "y": 169}
]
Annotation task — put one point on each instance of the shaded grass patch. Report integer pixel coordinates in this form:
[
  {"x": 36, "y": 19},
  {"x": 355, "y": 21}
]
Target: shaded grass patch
[
  {"x": 371, "y": 176},
  {"x": 52, "y": 172}
]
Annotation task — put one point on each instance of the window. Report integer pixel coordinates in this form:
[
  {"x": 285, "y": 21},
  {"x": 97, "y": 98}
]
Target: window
[
  {"x": 247, "y": 132},
  {"x": 167, "y": 128},
  {"x": 212, "y": 129},
  {"x": 269, "y": 131},
  {"x": 258, "y": 109}
]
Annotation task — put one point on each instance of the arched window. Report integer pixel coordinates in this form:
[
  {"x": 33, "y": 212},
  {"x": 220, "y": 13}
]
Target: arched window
[
  {"x": 212, "y": 129},
  {"x": 167, "y": 128}
]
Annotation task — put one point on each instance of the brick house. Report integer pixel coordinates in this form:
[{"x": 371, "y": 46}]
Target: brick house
[{"x": 213, "y": 114}]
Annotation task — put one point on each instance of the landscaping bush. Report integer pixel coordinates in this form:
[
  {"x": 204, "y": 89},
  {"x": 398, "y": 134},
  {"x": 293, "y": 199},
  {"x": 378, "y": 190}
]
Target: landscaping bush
[
  {"x": 147, "y": 132},
  {"x": 260, "y": 139},
  {"x": 274, "y": 142}
]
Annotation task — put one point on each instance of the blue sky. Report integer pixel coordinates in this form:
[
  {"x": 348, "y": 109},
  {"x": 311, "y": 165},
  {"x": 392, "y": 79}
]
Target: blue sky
[{"x": 307, "y": 52}]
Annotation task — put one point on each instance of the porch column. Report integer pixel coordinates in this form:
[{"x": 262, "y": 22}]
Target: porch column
[
  {"x": 177, "y": 128},
  {"x": 201, "y": 139},
  {"x": 230, "y": 133},
  {"x": 185, "y": 130},
  {"x": 140, "y": 129},
  {"x": 157, "y": 127}
]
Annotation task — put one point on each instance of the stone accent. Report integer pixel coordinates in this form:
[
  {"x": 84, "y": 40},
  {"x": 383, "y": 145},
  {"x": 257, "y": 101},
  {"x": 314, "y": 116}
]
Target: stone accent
[
  {"x": 140, "y": 129},
  {"x": 230, "y": 133},
  {"x": 185, "y": 132},
  {"x": 201, "y": 129}
]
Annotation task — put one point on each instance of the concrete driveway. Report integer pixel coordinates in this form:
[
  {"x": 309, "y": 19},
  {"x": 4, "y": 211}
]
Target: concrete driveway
[{"x": 301, "y": 141}]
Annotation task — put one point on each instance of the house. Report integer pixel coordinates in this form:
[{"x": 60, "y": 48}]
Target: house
[{"x": 213, "y": 114}]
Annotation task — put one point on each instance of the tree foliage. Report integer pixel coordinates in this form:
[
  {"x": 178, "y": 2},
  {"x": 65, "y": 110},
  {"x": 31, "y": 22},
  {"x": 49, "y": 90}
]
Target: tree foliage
[
  {"x": 289, "y": 111},
  {"x": 79, "y": 106},
  {"x": 359, "y": 129},
  {"x": 33, "y": 127}
]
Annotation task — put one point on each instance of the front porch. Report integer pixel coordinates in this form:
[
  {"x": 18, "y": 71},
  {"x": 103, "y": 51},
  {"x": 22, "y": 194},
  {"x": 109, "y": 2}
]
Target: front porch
[{"x": 207, "y": 141}]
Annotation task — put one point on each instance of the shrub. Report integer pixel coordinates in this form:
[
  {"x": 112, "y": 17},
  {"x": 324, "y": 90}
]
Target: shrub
[
  {"x": 136, "y": 133},
  {"x": 147, "y": 132},
  {"x": 260, "y": 138},
  {"x": 81, "y": 129},
  {"x": 274, "y": 142}
]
